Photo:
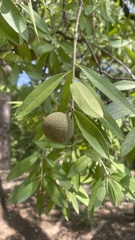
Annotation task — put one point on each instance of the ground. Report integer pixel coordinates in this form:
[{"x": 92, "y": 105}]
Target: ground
[{"x": 22, "y": 223}]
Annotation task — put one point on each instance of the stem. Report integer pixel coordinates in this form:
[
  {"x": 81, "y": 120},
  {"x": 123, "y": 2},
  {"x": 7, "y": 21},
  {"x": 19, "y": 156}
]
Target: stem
[
  {"x": 75, "y": 43},
  {"x": 105, "y": 168}
]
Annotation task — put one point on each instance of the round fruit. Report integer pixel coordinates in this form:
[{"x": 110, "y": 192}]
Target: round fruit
[{"x": 58, "y": 127}]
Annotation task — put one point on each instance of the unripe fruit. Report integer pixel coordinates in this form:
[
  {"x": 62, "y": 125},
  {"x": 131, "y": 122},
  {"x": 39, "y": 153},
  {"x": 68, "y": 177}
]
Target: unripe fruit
[{"x": 58, "y": 127}]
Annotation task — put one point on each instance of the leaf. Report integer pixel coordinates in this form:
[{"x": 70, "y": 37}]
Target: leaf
[
  {"x": 82, "y": 196},
  {"x": 118, "y": 43},
  {"x": 111, "y": 193},
  {"x": 109, "y": 123},
  {"x": 40, "y": 23},
  {"x": 66, "y": 95},
  {"x": 40, "y": 203},
  {"x": 32, "y": 16},
  {"x": 73, "y": 199},
  {"x": 75, "y": 180},
  {"x": 21, "y": 167},
  {"x": 124, "y": 85},
  {"x": 105, "y": 86},
  {"x": 91, "y": 132},
  {"x": 55, "y": 193},
  {"x": 23, "y": 191},
  {"x": 126, "y": 181},
  {"x": 118, "y": 112},
  {"x": 128, "y": 143},
  {"x": 8, "y": 32},
  {"x": 93, "y": 197},
  {"x": 13, "y": 17},
  {"x": 79, "y": 166},
  {"x": 86, "y": 100},
  {"x": 115, "y": 192},
  {"x": 38, "y": 95},
  {"x": 100, "y": 196},
  {"x": 14, "y": 75},
  {"x": 130, "y": 53},
  {"x": 107, "y": 120},
  {"x": 44, "y": 48},
  {"x": 49, "y": 206}
]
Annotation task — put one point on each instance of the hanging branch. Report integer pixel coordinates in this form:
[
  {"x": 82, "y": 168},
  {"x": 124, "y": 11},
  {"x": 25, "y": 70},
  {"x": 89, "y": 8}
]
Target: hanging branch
[
  {"x": 116, "y": 59},
  {"x": 75, "y": 44}
]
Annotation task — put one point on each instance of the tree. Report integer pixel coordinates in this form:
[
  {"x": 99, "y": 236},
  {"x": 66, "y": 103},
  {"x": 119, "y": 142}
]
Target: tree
[{"x": 80, "y": 58}]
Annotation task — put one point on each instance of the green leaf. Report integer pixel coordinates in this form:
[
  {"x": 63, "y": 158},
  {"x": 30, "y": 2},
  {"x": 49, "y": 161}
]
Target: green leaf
[
  {"x": 91, "y": 132},
  {"x": 111, "y": 193},
  {"x": 115, "y": 192},
  {"x": 93, "y": 197},
  {"x": 8, "y": 32},
  {"x": 128, "y": 143},
  {"x": 14, "y": 75},
  {"x": 126, "y": 181},
  {"x": 40, "y": 203},
  {"x": 118, "y": 43},
  {"x": 86, "y": 100},
  {"x": 124, "y": 85},
  {"x": 79, "y": 166},
  {"x": 82, "y": 196},
  {"x": 23, "y": 191},
  {"x": 73, "y": 199},
  {"x": 13, "y": 17},
  {"x": 118, "y": 112},
  {"x": 130, "y": 53},
  {"x": 32, "y": 16},
  {"x": 21, "y": 167},
  {"x": 59, "y": 174},
  {"x": 44, "y": 48},
  {"x": 40, "y": 23},
  {"x": 66, "y": 95},
  {"x": 105, "y": 86},
  {"x": 55, "y": 193},
  {"x": 49, "y": 206},
  {"x": 100, "y": 196},
  {"x": 107, "y": 120},
  {"x": 75, "y": 180},
  {"x": 38, "y": 95}
]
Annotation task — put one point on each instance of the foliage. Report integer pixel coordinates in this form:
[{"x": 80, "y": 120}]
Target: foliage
[{"x": 99, "y": 96}]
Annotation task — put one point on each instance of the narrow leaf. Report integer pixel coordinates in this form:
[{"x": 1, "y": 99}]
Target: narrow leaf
[
  {"x": 128, "y": 143},
  {"x": 124, "y": 85},
  {"x": 79, "y": 166},
  {"x": 91, "y": 132},
  {"x": 38, "y": 95},
  {"x": 93, "y": 197},
  {"x": 23, "y": 191},
  {"x": 73, "y": 199},
  {"x": 21, "y": 167},
  {"x": 105, "y": 86},
  {"x": 13, "y": 17},
  {"x": 86, "y": 100}
]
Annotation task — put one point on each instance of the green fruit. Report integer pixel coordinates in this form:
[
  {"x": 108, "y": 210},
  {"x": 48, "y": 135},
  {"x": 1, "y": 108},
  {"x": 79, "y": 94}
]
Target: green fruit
[{"x": 58, "y": 127}]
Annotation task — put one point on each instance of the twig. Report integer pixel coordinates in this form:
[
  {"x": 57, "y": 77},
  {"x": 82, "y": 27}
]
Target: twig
[
  {"x": 75, "y": 44},
  {"x": 76, "y": 37},
  {"x": 91, "y": 50},
  {"x": 103, "y": 50},
  {"x": 116, "y": 59}
]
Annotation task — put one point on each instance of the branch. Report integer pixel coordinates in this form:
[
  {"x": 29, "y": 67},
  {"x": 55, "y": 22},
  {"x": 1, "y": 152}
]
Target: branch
[
  {"x": 75, "y": 44},
  {"x": 116, "y": 59},
  {"x": 76, "y": 38}
]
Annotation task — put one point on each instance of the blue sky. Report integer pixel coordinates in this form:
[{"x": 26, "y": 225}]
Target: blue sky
[{"x": 23, "y": 79}]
